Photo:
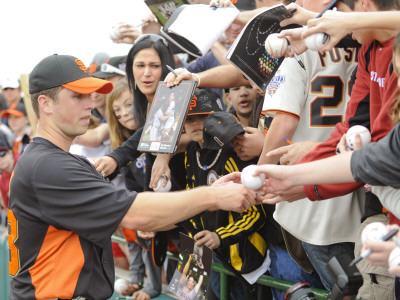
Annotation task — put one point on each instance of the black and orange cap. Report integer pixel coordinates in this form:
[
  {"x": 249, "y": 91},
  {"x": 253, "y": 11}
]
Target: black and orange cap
[
  {"x": 204, "y": 101},
  {"x": 17, "y": 110},
  {"x": 66, "y": 71}
]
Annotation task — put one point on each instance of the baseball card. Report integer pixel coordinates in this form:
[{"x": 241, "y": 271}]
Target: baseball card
[
  {"x": 191, "y": 279},
  {"x": 163, "y": 9}
]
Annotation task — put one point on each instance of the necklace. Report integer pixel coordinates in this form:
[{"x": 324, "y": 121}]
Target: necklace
[{"x": 205, "y": 168}]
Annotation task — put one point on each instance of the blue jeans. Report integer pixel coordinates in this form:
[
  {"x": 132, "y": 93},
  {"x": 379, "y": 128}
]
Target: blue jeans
[
  {"x": 284, "y": 267},
  {"x": 320, "y": 256}
]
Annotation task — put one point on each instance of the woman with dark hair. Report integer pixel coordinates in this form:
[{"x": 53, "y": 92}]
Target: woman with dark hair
[{"x": 145, "y": 68}]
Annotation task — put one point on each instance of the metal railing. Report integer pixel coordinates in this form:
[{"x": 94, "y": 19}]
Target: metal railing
[{"x": 224, "y": 279}]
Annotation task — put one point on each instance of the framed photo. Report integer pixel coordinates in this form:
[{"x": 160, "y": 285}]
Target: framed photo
[
  {"x": 192, "y": 276},
  {"x": 166, "y": 117},
  {"x": 163, "y": 9}
]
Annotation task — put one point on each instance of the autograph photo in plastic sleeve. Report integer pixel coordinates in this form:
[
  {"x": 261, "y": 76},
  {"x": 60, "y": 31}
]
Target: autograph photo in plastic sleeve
[
  {"x": 191, "y": 279},
  {"x": 165, "y": 118}
]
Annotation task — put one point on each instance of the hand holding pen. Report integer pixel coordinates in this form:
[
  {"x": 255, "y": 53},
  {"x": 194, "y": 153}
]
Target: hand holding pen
[{"x": 368, "y": 252}]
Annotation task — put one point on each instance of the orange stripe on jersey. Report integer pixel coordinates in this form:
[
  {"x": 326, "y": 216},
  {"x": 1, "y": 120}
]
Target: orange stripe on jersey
[
  {"x": 129, "y": 234},
  {"x": 58, "y": 265},
  {"x": 281, "y": 112}
]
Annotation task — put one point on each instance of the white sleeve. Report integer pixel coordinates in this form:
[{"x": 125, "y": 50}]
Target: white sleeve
[
  {"x": 286, "y": 91},
  {"x": 389, "y": 197}
]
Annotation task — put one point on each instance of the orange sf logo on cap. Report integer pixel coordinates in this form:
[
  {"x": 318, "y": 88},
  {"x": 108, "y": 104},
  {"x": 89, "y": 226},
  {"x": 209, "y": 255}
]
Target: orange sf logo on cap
[
  {"x": 193, "y": 104},
  {"x": 81, "y": 65}
]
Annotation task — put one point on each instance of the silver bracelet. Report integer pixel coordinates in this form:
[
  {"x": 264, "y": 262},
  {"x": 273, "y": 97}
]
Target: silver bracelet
[{"x": 197, "y": 77}]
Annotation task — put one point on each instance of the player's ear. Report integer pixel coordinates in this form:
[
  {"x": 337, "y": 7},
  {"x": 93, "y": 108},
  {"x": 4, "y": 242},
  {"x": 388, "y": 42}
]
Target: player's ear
[{"x": 45, "y": 104}]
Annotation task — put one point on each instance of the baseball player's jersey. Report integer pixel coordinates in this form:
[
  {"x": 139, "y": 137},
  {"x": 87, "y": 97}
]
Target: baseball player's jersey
[
  {"x": 61, "y": 217},
  {"x": 318, "y": 97}
]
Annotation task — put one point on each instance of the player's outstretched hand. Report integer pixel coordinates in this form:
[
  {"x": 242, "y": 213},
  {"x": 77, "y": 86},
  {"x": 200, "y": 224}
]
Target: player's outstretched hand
[
  {"x": 183, "y": 74},
  {"x": 105, "y": 165},
  {"x": 231, "y": 177},
  {"x": 336, "y": 24},
  {"x": 233, "y": 196},
  {"x": 208, "y": 238},
  {"x": 301, "y": 15}
]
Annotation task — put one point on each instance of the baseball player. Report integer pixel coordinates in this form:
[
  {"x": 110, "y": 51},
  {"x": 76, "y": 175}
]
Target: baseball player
[{"x": 62, "y": 212}]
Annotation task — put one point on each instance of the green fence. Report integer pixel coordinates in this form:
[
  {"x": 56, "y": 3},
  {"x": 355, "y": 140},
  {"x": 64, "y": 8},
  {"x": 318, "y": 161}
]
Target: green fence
[{"x": 264, "y": 280}]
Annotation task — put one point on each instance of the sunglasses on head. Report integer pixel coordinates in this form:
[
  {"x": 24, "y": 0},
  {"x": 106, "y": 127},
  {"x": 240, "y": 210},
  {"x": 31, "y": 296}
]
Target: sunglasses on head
[{"x": 153, "y": 37}]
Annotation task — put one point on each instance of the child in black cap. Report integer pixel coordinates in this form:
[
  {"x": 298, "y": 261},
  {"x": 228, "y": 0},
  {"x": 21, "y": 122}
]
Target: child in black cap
[{"x": 219, "y": 230}]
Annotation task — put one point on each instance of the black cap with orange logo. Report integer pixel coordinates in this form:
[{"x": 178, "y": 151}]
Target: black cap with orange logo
[
  {"x": 204, "y": 101},
  {"x": 67, "y": 71}
]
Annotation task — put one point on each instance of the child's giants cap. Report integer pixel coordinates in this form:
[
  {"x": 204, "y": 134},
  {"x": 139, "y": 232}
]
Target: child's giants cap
[
  {"x": 66, "y": 71},
  {"x": 219, "y": 129},
  {"x": 17, "y": 110},
  {"x": 204, "y": 101}
]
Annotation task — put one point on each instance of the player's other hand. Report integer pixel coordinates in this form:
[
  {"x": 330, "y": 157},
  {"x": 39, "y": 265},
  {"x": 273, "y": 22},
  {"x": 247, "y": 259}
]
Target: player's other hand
[
  {"x": 105, "y": 164},
  {"x": 208, "y": 238}
]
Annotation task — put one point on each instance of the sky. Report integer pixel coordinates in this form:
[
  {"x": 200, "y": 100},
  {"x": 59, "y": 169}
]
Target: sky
[{"x": 33, "y": 29}]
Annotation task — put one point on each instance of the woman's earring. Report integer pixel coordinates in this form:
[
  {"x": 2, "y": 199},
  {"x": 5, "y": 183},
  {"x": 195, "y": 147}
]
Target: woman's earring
[{"x": 135, "y": 85}]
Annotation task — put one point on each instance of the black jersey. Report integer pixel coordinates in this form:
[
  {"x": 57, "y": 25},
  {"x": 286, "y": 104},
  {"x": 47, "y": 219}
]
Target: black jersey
[{"x": 61, "y": 215}]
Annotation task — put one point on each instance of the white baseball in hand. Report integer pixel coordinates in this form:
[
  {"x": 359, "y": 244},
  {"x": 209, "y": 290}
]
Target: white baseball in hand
[
  {"x": 115, "y": 33},
  {"x": 160, "y": 188},
  {"x": 351, "y": 136},
  {"x": 374, "y": 231},
  {"x": 276, "y": 46},
  {"x": 315, "y": 42},
  {"x": 394, "y": 258},
  {"x": 250, "y": 181},
  {"x": 120, "y": 285}
]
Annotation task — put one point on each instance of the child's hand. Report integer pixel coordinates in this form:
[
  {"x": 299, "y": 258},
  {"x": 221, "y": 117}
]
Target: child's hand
[{"x": 208, "y": 238}]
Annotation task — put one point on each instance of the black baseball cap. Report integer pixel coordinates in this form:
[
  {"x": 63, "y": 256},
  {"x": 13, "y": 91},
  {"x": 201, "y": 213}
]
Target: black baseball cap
[
  {"x": 204, "y": 101},
  {"x": 66, "y": 71},
  {"x": 219, "y": 129},
  {"x": 4, "y": 146},
  {"x": 114, "y": 66},
  {"x": 17, "y": 110}
]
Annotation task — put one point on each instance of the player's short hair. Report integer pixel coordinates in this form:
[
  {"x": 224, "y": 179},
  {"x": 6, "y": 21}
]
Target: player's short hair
[{"x": 51, "y": 93}]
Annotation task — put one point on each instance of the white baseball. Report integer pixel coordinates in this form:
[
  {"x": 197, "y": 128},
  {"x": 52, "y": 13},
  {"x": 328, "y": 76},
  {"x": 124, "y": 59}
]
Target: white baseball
[
  {"x": 250, "y": 181},
  {"x": 374, "y": 231},
  {"x": 394, "y": 258},
  {"x": 351, "y": 136},
  {"x": 160, "y": 188},
  {"x": 276, "y": 46},
  {"x": 315, "y": 42},
  {"x": 115, "y": 34},
  {"x": 120, "y": 285}
]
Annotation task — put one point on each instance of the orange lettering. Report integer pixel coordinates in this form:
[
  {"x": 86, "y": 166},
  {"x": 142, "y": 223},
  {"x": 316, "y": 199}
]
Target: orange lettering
[{"x": 14, "y": 265}]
